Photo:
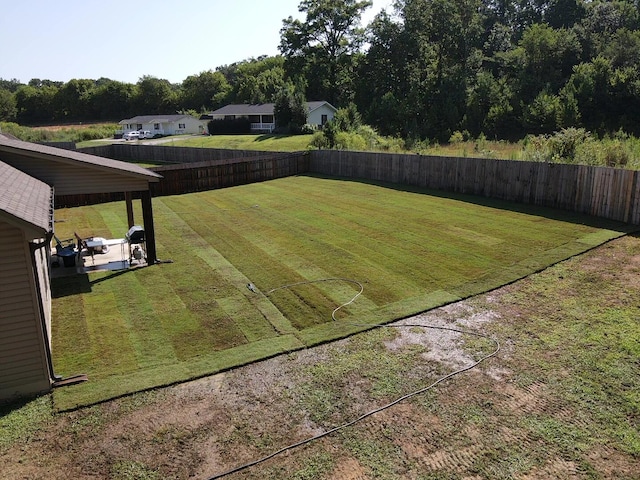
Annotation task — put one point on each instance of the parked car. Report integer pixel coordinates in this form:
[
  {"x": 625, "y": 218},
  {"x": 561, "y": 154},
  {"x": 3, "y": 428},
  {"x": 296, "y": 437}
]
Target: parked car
[
  {"x": 134, "y": 135},
  {"x": 145, "y": 134}
]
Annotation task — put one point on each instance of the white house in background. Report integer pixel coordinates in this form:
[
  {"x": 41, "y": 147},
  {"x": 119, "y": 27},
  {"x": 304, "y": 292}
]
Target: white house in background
[
  {"x": 263, "y": 119},
  {"x": 164, "y": 124}
]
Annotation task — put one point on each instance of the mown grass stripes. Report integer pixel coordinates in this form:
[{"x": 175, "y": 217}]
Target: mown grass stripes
[{"x": 410, "y": 249}]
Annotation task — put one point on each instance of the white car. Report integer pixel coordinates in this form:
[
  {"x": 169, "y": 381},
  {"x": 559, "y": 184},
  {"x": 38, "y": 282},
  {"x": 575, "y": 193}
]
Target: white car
[
  {"x": 134, "y": 135},
  {"x": 145, "y": 134}
]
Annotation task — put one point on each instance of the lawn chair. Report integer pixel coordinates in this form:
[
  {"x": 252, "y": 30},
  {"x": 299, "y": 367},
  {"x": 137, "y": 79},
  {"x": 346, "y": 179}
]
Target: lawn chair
[
  {"x": 80, "y": 242},
  {"x": 62, "y": 244},
  {"x": 65, "y": 249}
]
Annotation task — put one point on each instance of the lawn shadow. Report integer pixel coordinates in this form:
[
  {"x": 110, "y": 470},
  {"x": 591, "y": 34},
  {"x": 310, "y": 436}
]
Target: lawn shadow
[
  {"x": 109, "y": 277},
  {"x": 77, "y": 284},
  {"x": 524, "y": 208},
  {"x": 70, "y": 285},
  {"x": 16, "y": 404},
  {"x": 269, "y": 136}
]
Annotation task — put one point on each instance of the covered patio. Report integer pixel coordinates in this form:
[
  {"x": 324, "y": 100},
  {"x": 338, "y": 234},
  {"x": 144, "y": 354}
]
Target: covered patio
[
  {"x": 81, "y": 256},
  {"x": 33, "y": 178},
  {"x": 74, "y": 173}
]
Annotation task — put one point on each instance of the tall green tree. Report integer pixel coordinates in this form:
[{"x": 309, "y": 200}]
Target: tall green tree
[
  {"x": 489, "y": 106},
  {"x": 113, "y": 100},
  {"x": 10, "y": 85},
  {"x": 290, "y": 109},
  {"x": 206, "y": 91},
  {"x": 36, "y": 104},
  {"x": 155, "y": 95},
  {"x": 324, "y": 47},
  {"x": 548, "y": 57},
  {"x": 73, "y": 100},
  {"x": 442, "y": 41},
  {"x": 564, "y": 13},
  {"x": 257, "y": 80},
  {"x": 383, "y": 84},
  {"x": 8, "y": 108}
]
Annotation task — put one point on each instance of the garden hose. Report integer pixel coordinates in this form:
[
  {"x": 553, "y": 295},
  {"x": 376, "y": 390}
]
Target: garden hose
[{"x": 378, "y": 409}]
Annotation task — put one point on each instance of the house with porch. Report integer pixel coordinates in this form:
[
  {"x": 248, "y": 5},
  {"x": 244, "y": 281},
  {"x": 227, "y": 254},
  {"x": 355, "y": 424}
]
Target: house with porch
[
  {"x": 162, "y": 125},
  {"x": 31, "y": 178},
  {"x": 262, "y": 116}
]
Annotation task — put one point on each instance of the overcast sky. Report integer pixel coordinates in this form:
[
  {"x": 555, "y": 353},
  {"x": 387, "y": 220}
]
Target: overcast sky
[{"x": 126, "y": 40}]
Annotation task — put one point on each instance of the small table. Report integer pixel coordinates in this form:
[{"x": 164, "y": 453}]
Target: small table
[{"x": 98, "y": 243}]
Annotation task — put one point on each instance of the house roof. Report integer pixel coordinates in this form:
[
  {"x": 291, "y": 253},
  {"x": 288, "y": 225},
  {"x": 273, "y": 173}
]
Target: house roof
[
  {"x": 260, "y": 108},
  {"x": 315, "y": 105},
  {"x": 13, "y": 145},
  {"x": 153, "y": 119},
  {"x": 24, "y": 200},
  {"x": 245, "y": 109}
]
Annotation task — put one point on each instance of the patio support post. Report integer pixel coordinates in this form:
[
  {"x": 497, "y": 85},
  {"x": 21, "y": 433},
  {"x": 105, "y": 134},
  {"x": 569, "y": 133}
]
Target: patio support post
[
  {"x": 149, "y": 231},
  {"x": 129, "y": 200}
]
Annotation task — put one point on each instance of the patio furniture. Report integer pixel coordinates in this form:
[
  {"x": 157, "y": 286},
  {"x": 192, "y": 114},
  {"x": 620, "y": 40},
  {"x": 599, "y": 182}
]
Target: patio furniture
[{"x": 65, "y": 249}]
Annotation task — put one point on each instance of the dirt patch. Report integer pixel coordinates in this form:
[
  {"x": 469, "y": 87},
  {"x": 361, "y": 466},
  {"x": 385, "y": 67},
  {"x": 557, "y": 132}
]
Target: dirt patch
[{"x": 504, "y": 419}]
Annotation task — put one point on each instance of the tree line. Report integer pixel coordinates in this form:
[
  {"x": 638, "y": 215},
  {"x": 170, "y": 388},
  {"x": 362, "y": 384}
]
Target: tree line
[{"x": 426, "y": 69}]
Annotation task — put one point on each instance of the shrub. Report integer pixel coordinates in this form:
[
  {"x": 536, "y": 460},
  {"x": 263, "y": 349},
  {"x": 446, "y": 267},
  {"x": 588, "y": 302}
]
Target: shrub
[
  {"x": 615, "y": 155},
  {"x": 348, "y": 119},
  {"x": 536, "y": 148},
  {"x": 319, "y": 141},
  {"x": 563, "y": 144},
  {"x": 391, "y": 144},
  {"x": 349, "y": 141},
  {"x": 235, "y": 126},
  {"x": 481, "y": 143},
  {"x": 370, "y": 136},
  {"x": 308, "y": 129},
  {"x": 456, "y": 137}
]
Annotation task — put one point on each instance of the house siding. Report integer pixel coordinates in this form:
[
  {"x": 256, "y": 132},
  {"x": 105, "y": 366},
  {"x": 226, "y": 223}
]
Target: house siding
[
  {"x": 191, "y": 125},
  {"x": 315, "y": 117},
  {"x": 23, "y": 361},
  {"x": 265, "y": 112}
]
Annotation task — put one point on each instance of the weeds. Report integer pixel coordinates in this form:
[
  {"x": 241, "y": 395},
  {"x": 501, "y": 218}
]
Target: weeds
[
  {"x": 20, "y": 421},
  {"x": 75, "y": 134},
  {"x": 133, "y": 470}
]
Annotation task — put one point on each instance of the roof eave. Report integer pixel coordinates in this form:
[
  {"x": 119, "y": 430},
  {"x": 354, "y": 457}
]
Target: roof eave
[{"x": 150, "y": 176}]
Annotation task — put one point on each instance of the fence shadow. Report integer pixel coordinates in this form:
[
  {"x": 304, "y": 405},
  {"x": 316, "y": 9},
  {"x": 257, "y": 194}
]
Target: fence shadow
[
  {"x": 524, "y": 208},
  {"x": 578, "y": 193}
]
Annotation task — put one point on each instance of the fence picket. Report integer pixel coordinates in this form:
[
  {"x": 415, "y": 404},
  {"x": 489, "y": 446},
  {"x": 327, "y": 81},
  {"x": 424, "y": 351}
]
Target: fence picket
[{"x": 599, "y": 191}]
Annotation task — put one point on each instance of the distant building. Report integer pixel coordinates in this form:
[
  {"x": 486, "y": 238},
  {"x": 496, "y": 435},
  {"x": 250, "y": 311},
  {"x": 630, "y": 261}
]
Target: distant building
[
  {"x": 262, "y": 116},
  {"x": 163, "y": 124}
]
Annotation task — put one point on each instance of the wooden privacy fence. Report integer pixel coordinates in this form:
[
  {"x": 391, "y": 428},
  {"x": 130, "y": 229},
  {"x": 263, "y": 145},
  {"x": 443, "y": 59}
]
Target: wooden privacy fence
[
  {"x": 600, "y": 191},
  {"x": 196, "y": 177},
  {"x": 209, "y": 175},
  {"x": 161, "y": 154}
]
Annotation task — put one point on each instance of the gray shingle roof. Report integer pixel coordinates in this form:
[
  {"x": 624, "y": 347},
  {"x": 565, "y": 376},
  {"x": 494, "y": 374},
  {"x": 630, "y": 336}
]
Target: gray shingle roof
[
  {"x": 25, "y": 198},
  {"x": 153, "y": 119},
  {"x": 245, "y": 109},
  {"x": 70, "y": 156},
  {"x": 259, "y": 108},
  {"x": 313, "y": 105}
]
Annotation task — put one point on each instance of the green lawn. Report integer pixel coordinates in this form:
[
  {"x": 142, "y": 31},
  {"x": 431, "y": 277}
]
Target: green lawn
[
  {"x": 410, "y": 250},
  {"x": 266, "y": 142}
]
